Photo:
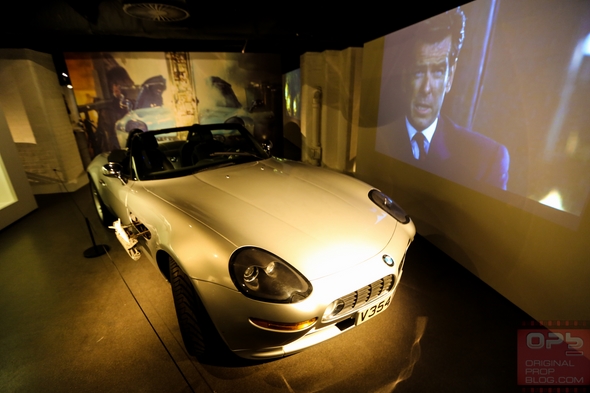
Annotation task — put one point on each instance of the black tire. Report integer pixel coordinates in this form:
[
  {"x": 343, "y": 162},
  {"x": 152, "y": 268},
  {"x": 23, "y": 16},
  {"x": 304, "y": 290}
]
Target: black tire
[
  {"x": 104, "y": 214},
  {"x": 198, "y": 333}
]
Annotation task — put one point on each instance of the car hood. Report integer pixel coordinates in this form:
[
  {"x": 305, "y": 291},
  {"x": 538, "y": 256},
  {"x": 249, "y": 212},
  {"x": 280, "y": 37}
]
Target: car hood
[{"x": 316, "y": 219}]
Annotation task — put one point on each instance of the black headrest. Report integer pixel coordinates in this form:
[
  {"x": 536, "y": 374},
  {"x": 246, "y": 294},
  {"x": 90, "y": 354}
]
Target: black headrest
[{"x": 149, "y": 141}]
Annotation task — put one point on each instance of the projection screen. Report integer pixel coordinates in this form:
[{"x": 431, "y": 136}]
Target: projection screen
[{"x": 500, "y": 92}]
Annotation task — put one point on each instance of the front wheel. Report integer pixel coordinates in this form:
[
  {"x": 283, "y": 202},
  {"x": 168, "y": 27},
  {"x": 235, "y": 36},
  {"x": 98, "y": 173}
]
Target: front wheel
[{"x": 198, "y": 333}]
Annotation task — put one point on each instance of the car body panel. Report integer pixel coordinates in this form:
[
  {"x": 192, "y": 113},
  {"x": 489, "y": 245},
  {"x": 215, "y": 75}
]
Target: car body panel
[
  {"x": 279, "y": 220},
  {"x": 232, "y": 318}
]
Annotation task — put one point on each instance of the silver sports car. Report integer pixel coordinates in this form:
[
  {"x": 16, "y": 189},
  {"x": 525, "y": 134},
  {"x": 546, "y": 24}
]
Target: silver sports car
[{"x": 265, "y": 256}]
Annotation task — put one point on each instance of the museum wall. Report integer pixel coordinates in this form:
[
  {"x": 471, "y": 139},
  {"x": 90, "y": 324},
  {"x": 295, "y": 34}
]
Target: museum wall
[
  {"x": 16, "y": 196},
  {"x": 533, "y": 251},
  {"x": 330, "y": 91},
  {"x": 38, "y": 119}
]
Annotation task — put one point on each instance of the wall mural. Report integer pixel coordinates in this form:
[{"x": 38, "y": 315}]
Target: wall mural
[{"x": 120, "y": 92}]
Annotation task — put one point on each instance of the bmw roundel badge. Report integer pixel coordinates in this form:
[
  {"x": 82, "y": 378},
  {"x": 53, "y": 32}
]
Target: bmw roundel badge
[{"x": 388, "y": 260}]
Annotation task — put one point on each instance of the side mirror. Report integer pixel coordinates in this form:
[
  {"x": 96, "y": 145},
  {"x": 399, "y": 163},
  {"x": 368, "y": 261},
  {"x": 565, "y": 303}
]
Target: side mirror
[{"x": 113, "y": 169}]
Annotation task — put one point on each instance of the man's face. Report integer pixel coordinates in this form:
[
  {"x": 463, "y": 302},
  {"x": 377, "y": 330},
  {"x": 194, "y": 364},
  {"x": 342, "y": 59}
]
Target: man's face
[{"x": 429, "y": 78}]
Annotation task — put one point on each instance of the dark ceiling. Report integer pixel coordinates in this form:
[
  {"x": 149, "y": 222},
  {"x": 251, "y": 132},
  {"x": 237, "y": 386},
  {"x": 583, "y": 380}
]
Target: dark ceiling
[{"x": 284, "y": 28}]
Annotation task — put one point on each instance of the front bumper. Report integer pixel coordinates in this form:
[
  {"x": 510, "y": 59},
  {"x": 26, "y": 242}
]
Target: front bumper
[{"x": 231, "y": 311}]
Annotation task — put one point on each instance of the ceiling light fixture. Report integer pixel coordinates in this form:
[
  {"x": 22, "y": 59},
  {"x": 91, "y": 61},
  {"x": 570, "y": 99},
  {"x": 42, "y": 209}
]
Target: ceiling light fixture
[{"x": 157, "y": 12}]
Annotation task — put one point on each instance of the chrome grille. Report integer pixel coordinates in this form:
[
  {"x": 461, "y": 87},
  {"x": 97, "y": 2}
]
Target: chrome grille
[{"x": 366, "y": 294}]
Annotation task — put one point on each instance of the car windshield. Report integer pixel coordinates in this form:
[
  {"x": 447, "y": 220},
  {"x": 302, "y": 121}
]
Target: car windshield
[{"x": 184, "y": 151}]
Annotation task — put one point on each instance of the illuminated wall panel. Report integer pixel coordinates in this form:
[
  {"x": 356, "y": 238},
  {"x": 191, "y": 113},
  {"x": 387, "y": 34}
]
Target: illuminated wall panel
[
  {"x": 16, "y": 197},
  {"x": 7, "y": 194}
]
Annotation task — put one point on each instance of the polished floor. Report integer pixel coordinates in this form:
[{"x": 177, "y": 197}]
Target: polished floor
[{"x": 107, "y": 324}]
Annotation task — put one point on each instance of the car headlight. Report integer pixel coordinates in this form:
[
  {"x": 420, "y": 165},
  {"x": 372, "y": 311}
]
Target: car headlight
[
  {"x": 263, "y": 276},
  {"x": 389, "y": 206}
]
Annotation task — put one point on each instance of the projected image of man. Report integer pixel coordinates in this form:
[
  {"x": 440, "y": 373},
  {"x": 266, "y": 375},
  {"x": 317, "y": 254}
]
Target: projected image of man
[{"x": 424, "y": 137}]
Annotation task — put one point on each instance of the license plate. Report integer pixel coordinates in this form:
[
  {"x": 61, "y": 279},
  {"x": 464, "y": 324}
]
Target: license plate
[{"x": 369, "y": 312}]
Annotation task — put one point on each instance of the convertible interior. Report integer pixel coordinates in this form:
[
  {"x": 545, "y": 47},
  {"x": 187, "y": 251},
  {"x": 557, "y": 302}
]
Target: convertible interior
[{"x": 181, "y": 151}]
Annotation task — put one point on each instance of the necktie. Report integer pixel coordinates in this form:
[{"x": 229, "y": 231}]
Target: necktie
[{"x": 420, "y": 140}]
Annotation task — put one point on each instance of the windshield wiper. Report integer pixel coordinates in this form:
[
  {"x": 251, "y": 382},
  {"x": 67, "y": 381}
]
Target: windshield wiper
[
  {"x": 214, "y": 165},
  {"x": 235, "y": 153}
]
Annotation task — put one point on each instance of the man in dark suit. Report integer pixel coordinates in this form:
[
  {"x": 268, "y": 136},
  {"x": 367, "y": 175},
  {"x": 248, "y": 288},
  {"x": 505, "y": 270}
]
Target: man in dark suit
[{"x": 426, "y": 139}]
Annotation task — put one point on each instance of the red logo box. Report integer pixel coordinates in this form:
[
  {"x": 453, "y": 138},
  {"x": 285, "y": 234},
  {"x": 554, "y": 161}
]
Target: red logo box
[{"x": 554, "y": 353}]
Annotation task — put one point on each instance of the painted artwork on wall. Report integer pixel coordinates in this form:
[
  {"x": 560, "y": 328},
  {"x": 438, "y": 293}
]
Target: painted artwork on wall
[{"x": 119, "y": 92}]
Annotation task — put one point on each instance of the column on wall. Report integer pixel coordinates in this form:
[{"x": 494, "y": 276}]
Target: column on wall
[
  {"x": 51, "y": 156},
  {"x": 331, "y": 83}
]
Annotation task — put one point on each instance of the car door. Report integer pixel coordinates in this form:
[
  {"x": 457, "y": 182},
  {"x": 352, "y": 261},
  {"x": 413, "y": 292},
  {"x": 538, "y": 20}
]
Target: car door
[{"x": 115, "y": 190}]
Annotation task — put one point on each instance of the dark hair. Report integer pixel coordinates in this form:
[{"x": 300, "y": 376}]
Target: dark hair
[
  {"x": 118, "y": 76},
  {"x": 441, "y": 26}
]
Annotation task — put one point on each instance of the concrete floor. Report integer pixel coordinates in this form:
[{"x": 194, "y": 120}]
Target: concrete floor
[{"x": 107, "y": 324}]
